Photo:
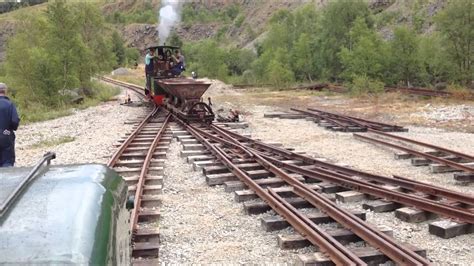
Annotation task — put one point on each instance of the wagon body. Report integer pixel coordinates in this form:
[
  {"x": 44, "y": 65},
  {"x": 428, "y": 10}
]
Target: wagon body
[{"x": 69, "y": 215}]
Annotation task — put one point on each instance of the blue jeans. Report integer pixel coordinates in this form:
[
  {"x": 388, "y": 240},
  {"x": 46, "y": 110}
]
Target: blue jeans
[
  {"x": 177, "y": 69},
  {"x": 7, "y": 150}
]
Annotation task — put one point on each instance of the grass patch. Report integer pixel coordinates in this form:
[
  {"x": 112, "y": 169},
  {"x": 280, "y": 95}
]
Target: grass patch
[
  {"x": 38, "y": 112},
  {"x": 52, "y": 142},
  {"x": 131, "y": 79},
  {"x": 460, "y": 93},
  {"x": 104, "y": 92},
  {"x": 20, "y": 13}
]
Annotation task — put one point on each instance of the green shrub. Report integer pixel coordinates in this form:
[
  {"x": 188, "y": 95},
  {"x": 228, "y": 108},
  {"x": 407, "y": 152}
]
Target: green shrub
[
  {"x": 362, "y": 85},
  {"x": 278, "y": 75},
  {"x": 239, "y": 20},
  {"x": 103, "y": 92}
]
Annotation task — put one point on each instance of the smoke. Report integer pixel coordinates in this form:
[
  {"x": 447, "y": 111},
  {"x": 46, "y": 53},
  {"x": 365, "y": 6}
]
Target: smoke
[{"x": 169, "y": 16}]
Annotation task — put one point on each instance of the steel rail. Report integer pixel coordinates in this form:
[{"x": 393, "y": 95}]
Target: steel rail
[
  {"x": 335, "y": 244},
  {"x": 375, "y": 190},
  {"x": 325, "y": 117},
  {"x": 346, "y": 119},
  {"x": 135, "y": 88},
  {"x": 304, "y": 229},
  {"x": 144, "y": 172},
  {"x": 402, "y": 182},
  {"x": 372, "y": 236},
  {"x": 459, "y": 154},
  {"x": 113, "y": 160},
  {"x": 420, "y": 91},
  {"x": 357, "y": 118},
  {"x": 417, "y": 153}
]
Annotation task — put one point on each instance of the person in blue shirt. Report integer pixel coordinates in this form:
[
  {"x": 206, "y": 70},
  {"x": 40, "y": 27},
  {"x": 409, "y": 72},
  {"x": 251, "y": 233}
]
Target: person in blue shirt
[
  {"x": 149, "y": 68},
  {"x": 9, "y": 122}
]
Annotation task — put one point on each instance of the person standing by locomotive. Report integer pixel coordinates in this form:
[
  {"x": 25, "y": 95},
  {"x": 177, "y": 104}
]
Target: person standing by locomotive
[
  {"x": 149, "y": 68},
  {"x": 9, "y": 122}
]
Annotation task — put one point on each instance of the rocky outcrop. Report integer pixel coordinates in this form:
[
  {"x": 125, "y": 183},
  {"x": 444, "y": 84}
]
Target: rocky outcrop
[{"x": 140, "y": 36}]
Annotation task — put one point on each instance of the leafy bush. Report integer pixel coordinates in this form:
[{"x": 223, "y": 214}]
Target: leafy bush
[
  {"x": 460, "y": 92},
  {"x": 103, "y": 92},
  {"x": 456, "y": 26},
  {"x": 278, "y": 75},
  {"x": 362, "y": 85},
  {"x": 56, "y": 51},
  {"x": 193, "y": 13},
  {"x": 132, "y": 54},
  {"x": 145, "y": 15},
  {"x": 239, "y": 20}
]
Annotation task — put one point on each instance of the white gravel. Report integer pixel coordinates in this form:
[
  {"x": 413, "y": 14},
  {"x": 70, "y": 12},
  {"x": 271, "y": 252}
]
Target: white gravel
[
  {"x": 204, "y": 225},
  {"x": 443, "y": 113},
  {"x": 94, "y": 131},
  {"x": 343, "y": 148}
]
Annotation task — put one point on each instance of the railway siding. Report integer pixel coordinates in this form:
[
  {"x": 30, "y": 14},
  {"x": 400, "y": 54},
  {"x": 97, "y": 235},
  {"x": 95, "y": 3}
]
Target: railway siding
[{"x": 295, "y": 183}]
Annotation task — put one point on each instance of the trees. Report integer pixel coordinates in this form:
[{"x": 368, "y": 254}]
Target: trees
[
  {"x": 118, "y": 48},
  {"x": 337, "y": 20},
  {"x": 174, "y": 39},
  {"x": 434, "y": 60},
  {"x": 405, "y": 62},
  {"x": 456, "y": 24},
  {"x": 207, "y": 59},
  {"x": 340, "y": 43},
  {"x": 58, "y": 50},
  {"x": 301, "y": 61},
  {"x": 366, "y": 55}
]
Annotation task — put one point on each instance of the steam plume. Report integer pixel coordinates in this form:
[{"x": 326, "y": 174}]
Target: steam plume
[{"x": 169, "y": 16}]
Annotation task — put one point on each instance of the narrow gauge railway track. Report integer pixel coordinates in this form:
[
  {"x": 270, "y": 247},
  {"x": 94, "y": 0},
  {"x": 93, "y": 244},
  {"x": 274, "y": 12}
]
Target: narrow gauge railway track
[
  {"x": 340, "y": 89},
  {"x": 135, "y": 88},
  {"x": 139, "y": 159},
  {"x": 419, "y": 91},
  {"x": 280, "y": 175},
  {"x": 395, "y": 192},
  {"x": 230, "y": 152},
  {"x": 347, "y": 123},
  {"x": 448, "y": 160}
]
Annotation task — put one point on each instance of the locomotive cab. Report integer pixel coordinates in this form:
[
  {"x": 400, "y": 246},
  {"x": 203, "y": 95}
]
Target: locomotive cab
[
  {"x": 179, "y": 94},
  {"x": 162, "y": 68},
  {"x": 163, "y": 61}
]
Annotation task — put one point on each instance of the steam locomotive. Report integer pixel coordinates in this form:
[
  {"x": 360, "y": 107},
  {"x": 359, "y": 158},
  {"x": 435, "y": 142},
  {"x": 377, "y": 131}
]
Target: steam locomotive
[{"x": 180, "y": 95}]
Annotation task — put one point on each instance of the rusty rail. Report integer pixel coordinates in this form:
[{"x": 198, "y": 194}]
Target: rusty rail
[
  {"x": 371, "y": 184},
  {"x": 419, "y": 91},
  {"x": 347, "y": 122},
  {"x": 133, "y": 87},
  {"x": 131, "y": 137},
  {"x": 372, "y": 236},
  {"x": 144, "y": 172},
  {"x": 448, "y": 151},
  {"x": 417, "y": 153},
  {"x": 338, "y": 254}
]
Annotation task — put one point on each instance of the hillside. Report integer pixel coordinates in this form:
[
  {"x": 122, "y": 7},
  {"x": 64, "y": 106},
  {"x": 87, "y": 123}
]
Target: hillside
[{"x": 137, "y": 20}]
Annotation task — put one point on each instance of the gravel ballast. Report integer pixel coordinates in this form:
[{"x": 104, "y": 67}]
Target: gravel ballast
[
  {"x": 343, "y": 148},
  {"x": 90, "y": 135},
  {"x": 202, "y": 224}
]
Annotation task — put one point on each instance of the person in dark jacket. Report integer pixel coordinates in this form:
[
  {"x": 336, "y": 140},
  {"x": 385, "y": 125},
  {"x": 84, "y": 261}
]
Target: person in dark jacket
[
  {"x": 179, "y": 64},
  {"x": 9, "y": 122}
]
